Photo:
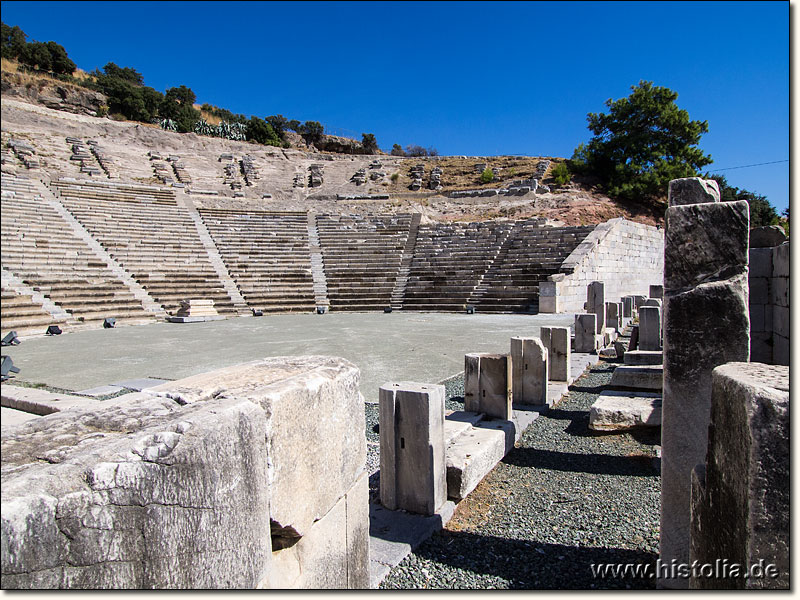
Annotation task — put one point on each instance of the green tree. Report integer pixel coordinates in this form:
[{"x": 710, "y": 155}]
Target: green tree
[
  {"x": 14, "y": 42},
  {"x": 37, "y": 55},
  {"x": 561, "y": 174},
  {"x": 294, "y": 125},
  {"x": 125, "y": 73},
  {"x": 258, "y": 130},
  {"x": 311, "y": 131},
  {"x": 487, "y": 175},
  {"x": 641, "y": 144},
  {"x": 178, "y": 105},
  {"x": 369, "y": 143},
  {"x": 59, "y": 60},
  {"x": 279, "y": 123},
  {"x": 762, "y": 213},
  {"x": 397, "y": 150}
]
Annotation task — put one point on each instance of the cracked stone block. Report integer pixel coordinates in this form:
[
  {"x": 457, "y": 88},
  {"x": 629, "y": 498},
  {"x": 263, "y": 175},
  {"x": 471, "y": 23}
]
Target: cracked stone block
[
  {"x": 650, "y": 328},
  {"x": 586, "y": 332},
  {"x": 740, "y": 493},
  {"x": 412, "y": 447},
  {"x": 596, "y": 303},
  {"x": 528, "y": 371}
]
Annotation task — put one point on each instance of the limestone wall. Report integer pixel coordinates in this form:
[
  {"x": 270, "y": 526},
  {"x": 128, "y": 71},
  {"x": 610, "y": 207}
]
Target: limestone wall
[
  {"x": 628, "y": 257},
  {"x": 250, "y": 476},
  {"x": 769, "y": 304}
]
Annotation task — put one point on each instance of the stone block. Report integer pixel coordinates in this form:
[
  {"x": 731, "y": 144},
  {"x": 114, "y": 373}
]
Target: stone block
[
  {"x": 779, "y": 291},
  {"x": 741, "y": 506},
  {"x": 780, "y": 349},
  {"x": 412, "y": 447},
  {"x": 657, "y": 291},
  {"x": 476, "y": 452},
  {"x": 767, "y": 237},
  {"x": 760, "y": 262},
  {"x": 472, "y": 369},
  {"x": 596, "y": 303},
  {"x": 494, "y": 386},
  {"x": 638, "y": 377},
  {"x": 761, "y": 343},
  {"x": 692, "y": 190},
  {"x": 528, "y": 371},
  {"x": 644, "y": 357},
  {"x": 557, "y": 342},
  {"x": 615, "y": 411},
  {"x": 613, "y": 316},
  {"x": 119, "y": 497},
  {"x": 649, "y": 328},
  {"x": 627, "y": 307},
  {"x": 704, "y": 242},
  {"x": 294, "y": 391},
  {"x": 653, "y": 302},
  {"x": 586, "y": 332},
  {"x": 780, "y": 260},
  {"x": 759, "y": 290},
  {"x": 638, "y": 301},
  {"x": 780, "y": 320},
  {"x": 706, "y": 324}
]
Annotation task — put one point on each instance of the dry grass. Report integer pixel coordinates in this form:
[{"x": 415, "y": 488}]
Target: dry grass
[{"x": 12, "y": 67}]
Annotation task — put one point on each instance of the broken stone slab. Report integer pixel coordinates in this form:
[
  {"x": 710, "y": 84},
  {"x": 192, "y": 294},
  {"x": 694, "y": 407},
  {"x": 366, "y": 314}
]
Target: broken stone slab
[
  {"x": 12, "y": 417},
  {"x": 637, "y": 377},
  {"x": 740, "y": 494},
  {"x": 528, "y": 371},
  {"x": 693, "y": 190},
  {"x": 644, "y": 357},
  {"x": 107, "y": 500},
  {"x": 412, "y": 447},
  {"x": 476, "y": 452},
  {"x": 615, "y": 411},
  {"x": 41, "y": 402},
  {"x": 293, "y": 391}
]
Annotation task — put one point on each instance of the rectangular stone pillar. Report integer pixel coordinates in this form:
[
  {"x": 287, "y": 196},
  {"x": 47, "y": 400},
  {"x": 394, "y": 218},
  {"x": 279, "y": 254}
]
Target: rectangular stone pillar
[
  {"x": 649, "y": 328},
  {"x": 627, "y": 307},
  {"x": 657, "y": 291},
  {"x": 413, "y": 471},
  {"x": 740, "y": 496},
  {"x": 528, "y": 371},
  {"x": 613, "y": 316},
  {"x": 487, "y": 384},
  {"x": 556, "y": 341},
  {"x": 638, "y": 301},
  {"x": 596, "y": 303},
  {"x": 586, "y": 332},
  {"x": 706, "y": 324}
]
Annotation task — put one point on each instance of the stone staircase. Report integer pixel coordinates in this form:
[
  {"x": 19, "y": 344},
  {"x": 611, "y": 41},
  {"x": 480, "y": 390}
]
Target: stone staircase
[
  {"x": 317, "y": 264},
  {"x": 405, "y": 263},
  {"x": 42, "y": 251},
  {"x": 449, "y": 262},
  {"x": 483, "y": 284},
  {"x": 362, "y": 256},
  {"x": 239, "y": 303},
  {"x": 26, "y": 311},
  {"x": 150, "y": 236},
  {"x": 531, "y": 254},
  {"x": 267, "y": 254}
]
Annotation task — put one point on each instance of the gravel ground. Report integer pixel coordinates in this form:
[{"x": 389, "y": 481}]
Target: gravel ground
[{"x": 565, "y": 498}]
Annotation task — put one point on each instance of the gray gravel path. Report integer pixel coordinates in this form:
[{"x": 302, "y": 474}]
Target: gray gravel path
[{"x": 563, "y": 499}]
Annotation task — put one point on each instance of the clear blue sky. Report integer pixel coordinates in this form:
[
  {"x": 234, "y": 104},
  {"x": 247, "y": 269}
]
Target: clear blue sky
[{"x": 469, "y": 78}]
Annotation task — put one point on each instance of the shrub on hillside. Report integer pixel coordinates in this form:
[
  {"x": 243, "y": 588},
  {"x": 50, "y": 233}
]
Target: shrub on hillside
[
  {"x": 178, "y": 105},
  {"x": 561, "y": 174},
  {"x": 397, "y": 150},
  {"x": 126, "y": 93},
  {"x": 369, "y": 143},
  {"x": 487, "y": 175},
  {"x": 311, "y": 131},
  {"x": 258, "y": 130}
]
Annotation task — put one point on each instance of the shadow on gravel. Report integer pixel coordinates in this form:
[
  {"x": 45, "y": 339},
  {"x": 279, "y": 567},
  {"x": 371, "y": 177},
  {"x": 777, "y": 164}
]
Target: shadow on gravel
[
  {"x": 600, "y": 464},
  {"x": 535, "y": 565}
]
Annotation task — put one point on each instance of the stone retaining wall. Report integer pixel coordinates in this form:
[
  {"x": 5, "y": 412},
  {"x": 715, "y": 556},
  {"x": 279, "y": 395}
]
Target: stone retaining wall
[
  {"x": 249, "y": 476},
  {"x": 625, "y": 255},
  {"x": 769, "y": 304}
]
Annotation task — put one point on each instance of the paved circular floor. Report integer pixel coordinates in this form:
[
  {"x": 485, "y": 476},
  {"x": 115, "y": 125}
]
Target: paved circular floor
[{"x": 425, "y": 347}]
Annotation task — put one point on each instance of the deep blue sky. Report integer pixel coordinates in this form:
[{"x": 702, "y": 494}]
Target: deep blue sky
[{"x": 467, "y": 78}]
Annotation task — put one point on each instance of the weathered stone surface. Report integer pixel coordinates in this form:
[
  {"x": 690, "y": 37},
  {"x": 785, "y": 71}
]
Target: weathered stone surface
[
  {"x": 296, "y": 392},
  {"x": 692, "y": 190},
  {"x": 528, "y": 371},
  {"x": 472, "y": 370},
  {"x": 767, "y": 237},
  {"x": 586, "y": 332},
  {"x": 558, "y": 354},
  {"x": 704, "y": 242},
  {"x": 627, "y": 307},
  {"x": 614, "y": 316},
  {"x": 476, "y": 452},
  {"x": 151, "y": 494},
  {"x": 494, "y": 383},
  {"x": 649, "y": 328},
  {"x": 705, "y": 324},
  {"x": 657, "y": 291},
  {"x": 412, "y": 447},
  {"x": 614, "y": 411},
  {"x": 740, "y": 508}
]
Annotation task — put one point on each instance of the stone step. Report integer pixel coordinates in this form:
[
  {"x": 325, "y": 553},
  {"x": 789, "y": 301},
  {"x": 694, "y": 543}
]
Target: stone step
[
  {"x": 638, "y": 377},
  {"x": 616, "y": 411},
  {"x": 643, "y": 357}
]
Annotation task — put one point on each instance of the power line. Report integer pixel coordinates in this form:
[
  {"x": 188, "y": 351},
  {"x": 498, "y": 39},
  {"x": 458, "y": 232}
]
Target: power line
[{"x": 755, "y": 165}]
